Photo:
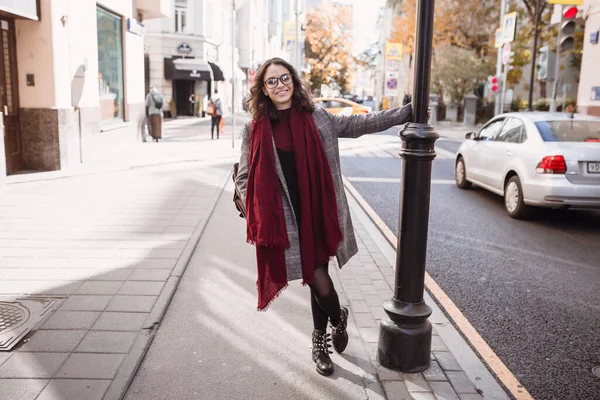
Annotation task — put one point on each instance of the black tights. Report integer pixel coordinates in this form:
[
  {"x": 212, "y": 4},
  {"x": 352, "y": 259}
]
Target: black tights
[
  {"x": 324, "y": 300},
  {"x": 215, "y": 122}
]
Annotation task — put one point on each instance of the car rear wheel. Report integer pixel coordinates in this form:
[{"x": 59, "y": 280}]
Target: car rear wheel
[
  {"x": 513, "y": 199},
  {"x": 460, "y": 174}
]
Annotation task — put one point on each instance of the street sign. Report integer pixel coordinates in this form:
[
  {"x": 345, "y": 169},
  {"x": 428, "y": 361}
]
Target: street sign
[
  {"x": 567, "y": 2},
  {"x": 509, "y": 27},
  {"x": 499, "y": 38},
  {"x": 506, "y": 53},
  {"x": 393, "y": 74},
  {"x": 393, "y": 65},
  {"x": 393, "y": 51},
  {"x": 391, "y": 83}
]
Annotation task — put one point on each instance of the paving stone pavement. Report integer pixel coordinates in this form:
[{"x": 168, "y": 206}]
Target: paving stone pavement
[{"x": 110, "y": 247}]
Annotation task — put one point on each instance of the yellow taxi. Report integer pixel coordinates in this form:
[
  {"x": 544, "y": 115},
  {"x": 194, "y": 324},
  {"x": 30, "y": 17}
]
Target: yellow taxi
[{"x": 341, "y": 106}]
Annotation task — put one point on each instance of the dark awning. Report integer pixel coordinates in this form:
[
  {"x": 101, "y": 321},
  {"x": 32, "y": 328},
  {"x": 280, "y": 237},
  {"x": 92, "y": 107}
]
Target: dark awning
[
  {"x": 29, "y": 9},
  {"x": 190, "y": 69},
  {"x": 217, "y": 73}
]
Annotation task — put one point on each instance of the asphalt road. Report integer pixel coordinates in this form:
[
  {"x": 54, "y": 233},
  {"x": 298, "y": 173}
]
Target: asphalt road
[{"x": 530, "y": 288}]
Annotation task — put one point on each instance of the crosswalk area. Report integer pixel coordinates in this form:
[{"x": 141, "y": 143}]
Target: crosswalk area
[{"x": 380, "y": 146}]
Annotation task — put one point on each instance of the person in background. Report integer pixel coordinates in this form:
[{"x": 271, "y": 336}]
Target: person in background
[
  {"x": 154, "y": 104},
  {"x": 215, "y": 110}
]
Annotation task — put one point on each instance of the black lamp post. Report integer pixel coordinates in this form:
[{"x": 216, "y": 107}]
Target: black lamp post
[{"x": 405, "y": 334}]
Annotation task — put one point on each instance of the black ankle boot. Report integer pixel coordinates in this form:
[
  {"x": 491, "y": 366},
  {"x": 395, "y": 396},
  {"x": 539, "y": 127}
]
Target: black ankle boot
[
  {"x": 338, "y": 332},
  {"x": 320, "y": 352}
]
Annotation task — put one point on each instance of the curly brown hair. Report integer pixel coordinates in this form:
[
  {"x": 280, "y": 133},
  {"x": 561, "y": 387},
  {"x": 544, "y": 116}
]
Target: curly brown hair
[{"x": 261, "y": 105}]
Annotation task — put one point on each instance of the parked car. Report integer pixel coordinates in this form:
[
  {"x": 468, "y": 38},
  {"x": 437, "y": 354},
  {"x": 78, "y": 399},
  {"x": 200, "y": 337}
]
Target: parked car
[
  {"x": 536, "y": 159},
  {"x": 341, "y": 106}
]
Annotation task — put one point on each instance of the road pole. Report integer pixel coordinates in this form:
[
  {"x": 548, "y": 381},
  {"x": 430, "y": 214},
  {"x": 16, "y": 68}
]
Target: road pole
[
  {"x": 499, "y": 58},
  {"x": 534, "y": 54},
  {"x": 233, "y": 72},
  {"x": 405, "y": 333},
  {"x": 556, "y": 75},
  {"x": 504, "y": 76},
  {"x": 297, "y": 56}
]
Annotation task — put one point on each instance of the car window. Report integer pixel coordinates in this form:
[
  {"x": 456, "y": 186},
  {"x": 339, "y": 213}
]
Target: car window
[
  {"x": 324, "y": 104},
  {"x": 491, "y": 130},
  {"x": 339, "y": 104},
  {"x": 511, "y": 131},
  {"x": 569, "y": 131}
]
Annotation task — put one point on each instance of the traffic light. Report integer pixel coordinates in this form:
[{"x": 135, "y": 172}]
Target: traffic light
[
  {"x": 567, "y": 28},
  {"x": 546, "y": 64},
  {"x": 494, "y": 84}
]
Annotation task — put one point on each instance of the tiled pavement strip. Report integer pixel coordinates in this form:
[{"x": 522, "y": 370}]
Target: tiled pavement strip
[{"x": 114, "y": 246}]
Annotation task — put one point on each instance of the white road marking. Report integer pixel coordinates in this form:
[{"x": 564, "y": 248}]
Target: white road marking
[{"x": 396, "y": 180}]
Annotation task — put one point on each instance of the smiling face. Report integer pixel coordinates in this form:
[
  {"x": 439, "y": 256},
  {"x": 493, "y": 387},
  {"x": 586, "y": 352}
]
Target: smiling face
[{"x": 279, "y": 86}]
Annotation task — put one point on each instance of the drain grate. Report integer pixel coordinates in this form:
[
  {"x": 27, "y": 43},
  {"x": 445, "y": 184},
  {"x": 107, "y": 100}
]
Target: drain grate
[
  {"x": 18, "y": 316},
  {"x": 596, "y": 371}
]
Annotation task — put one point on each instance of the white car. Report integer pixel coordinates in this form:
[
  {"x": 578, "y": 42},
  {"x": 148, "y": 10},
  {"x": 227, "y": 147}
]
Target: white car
[{"x": 534, "y": 159}]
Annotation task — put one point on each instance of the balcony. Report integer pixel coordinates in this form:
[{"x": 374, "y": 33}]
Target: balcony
[{"x": 150, "y": 9}]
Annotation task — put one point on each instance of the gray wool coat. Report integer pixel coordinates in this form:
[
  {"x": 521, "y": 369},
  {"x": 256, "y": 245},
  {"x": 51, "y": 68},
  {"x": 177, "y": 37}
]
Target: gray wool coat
[{"x": 330, "y": 127}]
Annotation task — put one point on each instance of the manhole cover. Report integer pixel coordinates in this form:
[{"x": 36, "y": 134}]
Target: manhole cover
[
  {"x": 18, "y": 316},
  {"x": 596, "y": 371}
]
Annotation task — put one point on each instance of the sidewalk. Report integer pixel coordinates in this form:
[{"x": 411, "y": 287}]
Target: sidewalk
[
  {"x": 104, "y": 252},
  {"x": 108, "y": 251}
]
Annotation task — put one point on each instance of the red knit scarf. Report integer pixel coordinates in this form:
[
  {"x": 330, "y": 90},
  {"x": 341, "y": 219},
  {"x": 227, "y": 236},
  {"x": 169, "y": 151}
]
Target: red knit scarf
[{"x": 319, "y": 229}]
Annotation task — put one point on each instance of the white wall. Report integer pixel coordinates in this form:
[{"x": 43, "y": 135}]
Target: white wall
[
  {"x": 591, "y": 60},
  {"x": 122, "y": 7}
]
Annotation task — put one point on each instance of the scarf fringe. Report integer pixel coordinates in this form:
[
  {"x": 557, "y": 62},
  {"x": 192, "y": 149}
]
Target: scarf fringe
[
  {"x": 266, "y": 308},
  {"x": 269, "y": 243}
]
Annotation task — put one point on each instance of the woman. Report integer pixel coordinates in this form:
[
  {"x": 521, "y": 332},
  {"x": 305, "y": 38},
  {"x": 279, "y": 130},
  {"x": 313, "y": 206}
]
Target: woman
[
  {"x": 215, "y": 120},
  {"x": 296, "y": 209}
]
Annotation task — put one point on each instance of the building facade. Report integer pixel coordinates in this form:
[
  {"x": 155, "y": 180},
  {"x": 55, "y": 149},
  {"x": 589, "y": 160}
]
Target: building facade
[
  {"x": 71, "y": 81},
  {"x": 195, "y": 53},
  {"x": 588, "y": 99}
]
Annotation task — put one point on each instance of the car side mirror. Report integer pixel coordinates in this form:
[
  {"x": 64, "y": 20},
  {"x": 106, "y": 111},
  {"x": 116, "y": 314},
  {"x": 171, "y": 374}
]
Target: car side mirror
[{"x": 470, "y": 135}]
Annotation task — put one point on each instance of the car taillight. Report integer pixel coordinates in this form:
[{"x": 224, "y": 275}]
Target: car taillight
[{"x": 552, "y": 165}]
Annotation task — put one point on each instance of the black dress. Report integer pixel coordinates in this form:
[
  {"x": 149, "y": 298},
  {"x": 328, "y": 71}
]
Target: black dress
[{"x": 282, "y": 134}]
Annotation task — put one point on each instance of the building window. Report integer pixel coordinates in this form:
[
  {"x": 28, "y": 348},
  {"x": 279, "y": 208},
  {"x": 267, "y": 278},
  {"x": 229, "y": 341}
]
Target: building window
[
  {"x": 110, "y": 65},
  {"x": 180, "y": 15}
]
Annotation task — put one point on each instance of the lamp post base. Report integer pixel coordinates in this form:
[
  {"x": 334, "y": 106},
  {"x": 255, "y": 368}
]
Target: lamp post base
[{"x": 405, "y": 337}]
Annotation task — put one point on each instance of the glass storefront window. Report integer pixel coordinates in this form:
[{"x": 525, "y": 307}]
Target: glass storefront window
[{"x": 110, "y": 65}]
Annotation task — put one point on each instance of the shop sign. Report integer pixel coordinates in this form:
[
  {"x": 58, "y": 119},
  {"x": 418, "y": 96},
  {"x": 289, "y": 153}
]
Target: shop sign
[
  {"x": 184, "y": 48},
  {"x": 134, "y": 26},
  {"x": 21, "y": 8}
]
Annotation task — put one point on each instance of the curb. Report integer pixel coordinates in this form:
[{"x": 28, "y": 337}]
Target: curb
[{"x": 120, "y": 384}]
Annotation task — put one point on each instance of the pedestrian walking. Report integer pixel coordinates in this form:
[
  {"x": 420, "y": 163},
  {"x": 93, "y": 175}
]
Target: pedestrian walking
[
  {"x": 296, "y": 210},
  {"x": 154, "y": 105},
  {"x": 215, "y": 110}
]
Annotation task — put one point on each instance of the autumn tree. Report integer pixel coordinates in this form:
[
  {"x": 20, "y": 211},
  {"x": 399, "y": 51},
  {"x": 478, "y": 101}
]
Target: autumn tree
[
  {"x": 328, "y": 47},
  {"x": 467, "y": 25},
  {"x": 456, "y": 71}
]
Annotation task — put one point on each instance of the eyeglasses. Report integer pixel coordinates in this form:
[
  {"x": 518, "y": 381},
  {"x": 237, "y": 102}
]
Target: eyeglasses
[{"x": 286, "y": 79}]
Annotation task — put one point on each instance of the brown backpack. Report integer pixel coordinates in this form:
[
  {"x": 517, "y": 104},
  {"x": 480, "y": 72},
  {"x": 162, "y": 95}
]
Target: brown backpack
[
  {"x": 237, "y": 198},
  {"x": 211, "y": 109}
]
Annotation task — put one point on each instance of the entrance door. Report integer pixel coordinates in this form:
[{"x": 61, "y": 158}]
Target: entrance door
[
  {"x": 183, "y": 90},
  {"x": 9, "y": 97}
]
